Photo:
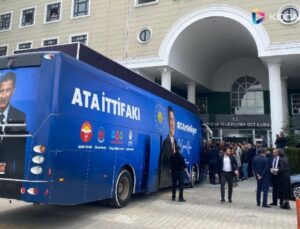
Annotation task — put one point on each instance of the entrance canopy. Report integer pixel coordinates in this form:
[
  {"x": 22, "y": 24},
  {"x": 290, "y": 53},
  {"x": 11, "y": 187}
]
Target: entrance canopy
[{"x": 207, "y": 44}]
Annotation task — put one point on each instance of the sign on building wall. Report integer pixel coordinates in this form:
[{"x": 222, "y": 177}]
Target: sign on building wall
[{"x": 238, "y": 122}]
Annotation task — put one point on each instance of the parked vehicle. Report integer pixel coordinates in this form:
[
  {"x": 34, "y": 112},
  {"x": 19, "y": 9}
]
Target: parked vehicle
[
  {"x": 295, "y": 186},
  {"x": 84, "y": 132}
]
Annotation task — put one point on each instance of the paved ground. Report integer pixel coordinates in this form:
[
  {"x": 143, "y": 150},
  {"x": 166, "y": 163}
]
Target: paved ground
[{"x": 202, "y": 210}]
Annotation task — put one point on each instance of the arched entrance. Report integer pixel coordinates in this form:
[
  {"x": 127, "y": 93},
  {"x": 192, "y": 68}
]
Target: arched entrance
[
  {"x": 212, "y": 48},
  {"x": 199, "y": 43},
  {"x": 238, "y": 15}
]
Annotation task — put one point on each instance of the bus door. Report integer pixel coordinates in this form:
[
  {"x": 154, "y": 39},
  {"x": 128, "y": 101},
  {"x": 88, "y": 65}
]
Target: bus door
[
  {"x": 153, "y": 174},
  {"x": 165, "y": 178}
]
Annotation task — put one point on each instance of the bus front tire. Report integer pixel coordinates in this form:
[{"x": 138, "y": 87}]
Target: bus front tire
[{"x": 123, "y": 190}]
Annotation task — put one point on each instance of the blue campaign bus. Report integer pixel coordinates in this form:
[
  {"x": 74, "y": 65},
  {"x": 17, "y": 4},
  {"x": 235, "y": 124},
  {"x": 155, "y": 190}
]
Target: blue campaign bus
[{"x": 77, "y": 127}]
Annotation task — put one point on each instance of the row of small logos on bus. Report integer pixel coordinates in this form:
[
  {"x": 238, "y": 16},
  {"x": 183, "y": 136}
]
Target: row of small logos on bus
[{"x": 116, "y": 136}]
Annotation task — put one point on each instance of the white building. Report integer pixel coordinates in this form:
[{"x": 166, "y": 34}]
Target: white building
[{"x": 238, "y": 60}]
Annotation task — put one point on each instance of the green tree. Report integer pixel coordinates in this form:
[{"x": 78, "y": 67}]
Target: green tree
[{"x": 288, "y": 130}]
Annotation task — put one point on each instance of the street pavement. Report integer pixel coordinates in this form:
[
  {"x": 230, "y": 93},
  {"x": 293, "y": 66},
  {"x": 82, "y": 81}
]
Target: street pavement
[{"x": 202, "y": 210}]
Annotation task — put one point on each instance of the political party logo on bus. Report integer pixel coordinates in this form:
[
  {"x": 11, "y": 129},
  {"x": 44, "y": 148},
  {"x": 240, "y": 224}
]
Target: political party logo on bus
[
  {"x": 101, "y": 135},
  {"x": 130, "y": 137},
  {"x": 117, "y": 137},
  {"x": 160, "y": 117},
  {"x": 86, "y": 132}
]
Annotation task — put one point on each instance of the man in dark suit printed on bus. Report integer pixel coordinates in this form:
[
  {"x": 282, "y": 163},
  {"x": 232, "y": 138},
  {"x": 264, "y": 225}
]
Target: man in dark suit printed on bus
[
  {"x": 11, "y": 148},
  {"x": 9, "y": 114},
  {"x": 168, "y": 149}
]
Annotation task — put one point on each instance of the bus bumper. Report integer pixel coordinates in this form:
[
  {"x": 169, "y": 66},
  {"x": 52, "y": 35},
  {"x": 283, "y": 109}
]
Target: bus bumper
[{"x": 26, "y": 190}]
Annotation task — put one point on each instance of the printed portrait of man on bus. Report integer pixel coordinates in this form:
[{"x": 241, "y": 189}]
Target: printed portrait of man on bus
[
  {"x": 169, "y": 144},
  {"x": 168, "y": 149},
  {"x": 12, "y": 127},
  {"x": 8, "y": 113}
]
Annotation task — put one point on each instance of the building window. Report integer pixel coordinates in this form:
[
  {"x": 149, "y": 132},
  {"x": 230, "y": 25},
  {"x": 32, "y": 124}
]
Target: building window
[
  {"x": 50, "y": 42},
  {"x": 81, "y": 8},
  {"x": 5, "y": 21},
  {"x": 295, "y": 99},
  {"x": 53, "y": 12},
  {"x": 144, "y": 35},
  {"x": 289, "y": 15},
  {"x": 202, "y": 105},
  {"x": 26, "y": 45},
  {"x": 247, "y": 96},
  {"x": 142, "y": 2},
  {"x": 79, "y": 38},
  {"x": 3, "y": 50},
  {"x": 28, "y": 17}
]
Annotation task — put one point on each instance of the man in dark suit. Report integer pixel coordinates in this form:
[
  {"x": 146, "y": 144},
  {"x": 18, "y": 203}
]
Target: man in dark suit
[
  {"x": 213, "y": 155},
  {"x": 168, "y": 149},
  {"x": 251, "y": 154},
  {"x": 228, "y": 167},
  {"x": 274, "y": 160},
  {"x": 179, "y": 171},
  {"x": 9, "y": 114},
  {"x": 12, "y": 149},
  {"x": 261, "y": 168}
]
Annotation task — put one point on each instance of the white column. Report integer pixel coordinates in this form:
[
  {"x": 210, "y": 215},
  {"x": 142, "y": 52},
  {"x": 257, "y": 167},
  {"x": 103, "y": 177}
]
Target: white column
[
  {"x": 191, "y": 92},
  {"x": 221, "y": 134},
  {"x": 284, "y": 100},
  {"x": 275, "y": 97},
  {"x": 269, "y": 143},
  {"x": 253, "y": 137},
  {"x": 166, "y": 78},
  {"x": 139, "y": 72}
]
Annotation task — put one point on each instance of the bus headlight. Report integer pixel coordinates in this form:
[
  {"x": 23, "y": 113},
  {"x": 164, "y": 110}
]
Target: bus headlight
[
  {"x": 38, "y": 159},
  {"x": 36, "y": 170}
]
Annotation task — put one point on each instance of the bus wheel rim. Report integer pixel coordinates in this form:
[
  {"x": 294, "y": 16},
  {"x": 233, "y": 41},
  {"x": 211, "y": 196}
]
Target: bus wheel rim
[
  {"x": 297, "y": 192},
  {"x": 123, "y": 188}
]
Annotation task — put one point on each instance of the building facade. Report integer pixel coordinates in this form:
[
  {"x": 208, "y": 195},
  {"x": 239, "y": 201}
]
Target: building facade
[{"x": 237, "y": 60}]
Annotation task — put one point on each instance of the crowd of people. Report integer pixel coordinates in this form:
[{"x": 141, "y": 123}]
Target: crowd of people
[{"x": 232, "y": 162}]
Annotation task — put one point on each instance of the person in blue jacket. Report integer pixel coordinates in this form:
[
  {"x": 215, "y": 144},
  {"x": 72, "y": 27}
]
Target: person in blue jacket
[{"x": 261, "y": 169}]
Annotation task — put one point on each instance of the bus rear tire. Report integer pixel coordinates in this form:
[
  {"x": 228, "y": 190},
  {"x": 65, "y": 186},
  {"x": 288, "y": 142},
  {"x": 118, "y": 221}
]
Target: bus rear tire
[{"x": 123, "y": 190}]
